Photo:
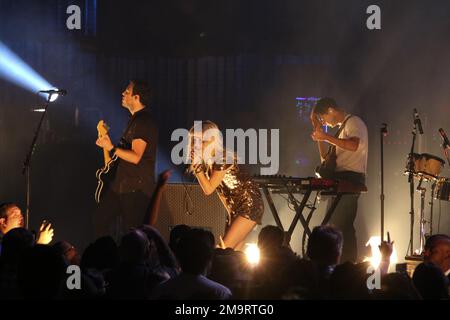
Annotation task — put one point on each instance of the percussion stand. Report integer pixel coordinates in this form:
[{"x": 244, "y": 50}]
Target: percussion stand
[
  {"x": 422, "y": 222},
  {"x": 433, "y": 186}
]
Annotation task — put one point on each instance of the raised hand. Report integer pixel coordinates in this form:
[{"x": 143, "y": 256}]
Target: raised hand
[
  {"x": 164, "y": 177},
  {"x": 46, "y": 233},
  {"x": 386, "y": 248}
]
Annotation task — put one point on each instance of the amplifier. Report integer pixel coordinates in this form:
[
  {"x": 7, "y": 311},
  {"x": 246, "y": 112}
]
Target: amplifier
[{"x": 187, "y": 204}]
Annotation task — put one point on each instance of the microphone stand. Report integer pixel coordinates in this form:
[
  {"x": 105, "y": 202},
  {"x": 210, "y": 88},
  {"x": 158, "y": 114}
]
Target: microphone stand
[
  {"x": 383, "y": 133},
  {"x": 411, "y": 188},
  {"x": 27, "y": 163}
]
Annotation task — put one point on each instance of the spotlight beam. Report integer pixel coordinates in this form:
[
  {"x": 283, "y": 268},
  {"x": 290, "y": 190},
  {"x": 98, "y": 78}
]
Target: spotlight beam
[{"x": 15, "y": 70}]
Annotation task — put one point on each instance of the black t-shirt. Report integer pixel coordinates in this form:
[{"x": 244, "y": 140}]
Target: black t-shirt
[{"x": 141, "y": 177}]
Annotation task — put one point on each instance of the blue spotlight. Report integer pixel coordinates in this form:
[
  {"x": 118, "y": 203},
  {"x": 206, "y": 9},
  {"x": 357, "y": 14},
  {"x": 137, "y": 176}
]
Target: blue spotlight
[{"x": 14, "y": 69}]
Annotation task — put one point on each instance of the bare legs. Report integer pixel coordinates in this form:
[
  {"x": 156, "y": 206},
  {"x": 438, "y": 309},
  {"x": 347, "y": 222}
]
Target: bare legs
[{"x": 237, "y": 232}]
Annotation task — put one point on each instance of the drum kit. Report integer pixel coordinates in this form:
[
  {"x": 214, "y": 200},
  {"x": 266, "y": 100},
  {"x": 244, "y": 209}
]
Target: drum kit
[{"x": 427, "y": 168}]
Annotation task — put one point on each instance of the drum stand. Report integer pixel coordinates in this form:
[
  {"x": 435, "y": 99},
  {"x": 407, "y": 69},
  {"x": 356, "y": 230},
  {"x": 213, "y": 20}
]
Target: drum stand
[
  {"x": 422, "y": 220},
  {"x": 433, "y": 187}
]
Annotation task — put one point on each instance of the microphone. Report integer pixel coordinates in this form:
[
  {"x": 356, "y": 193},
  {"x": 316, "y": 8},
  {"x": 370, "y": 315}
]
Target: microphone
[
  {"x": 384, "y": 130},
  {"x": 60, "y": 92},
  {"x": 417, "y": 121},
  {"x": 444, "y": 138}
]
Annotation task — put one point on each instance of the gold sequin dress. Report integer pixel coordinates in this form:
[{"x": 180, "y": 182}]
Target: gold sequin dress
[{"x": 241, "y": 194}]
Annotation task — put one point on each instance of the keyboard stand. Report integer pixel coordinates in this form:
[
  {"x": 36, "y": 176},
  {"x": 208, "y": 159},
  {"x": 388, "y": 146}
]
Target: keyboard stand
[
  {"x": 331, "y": 209},
  {"x": 305, "y": 186},
  {"x": 298, "y": 211}
]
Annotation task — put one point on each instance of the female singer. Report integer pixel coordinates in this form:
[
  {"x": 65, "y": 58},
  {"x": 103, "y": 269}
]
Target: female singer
[{"x": 216, "y": 169}]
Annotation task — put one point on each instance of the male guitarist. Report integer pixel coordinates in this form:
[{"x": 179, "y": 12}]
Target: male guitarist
[
  {"x": 344, "y": 159},
  {"x": 125, "y": 201}
]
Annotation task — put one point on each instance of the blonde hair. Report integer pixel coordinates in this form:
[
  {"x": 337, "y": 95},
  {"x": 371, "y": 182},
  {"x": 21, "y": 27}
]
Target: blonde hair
[{"x": 213, "y": 134}]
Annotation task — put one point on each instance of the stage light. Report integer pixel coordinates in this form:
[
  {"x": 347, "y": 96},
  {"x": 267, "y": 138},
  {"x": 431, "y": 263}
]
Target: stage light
[
  {"x": 375, "y": 259},
  {"x": 15, "y": 70},
  {"x": 38, "y": 110},
  {"x": 252, "y": 253},
  {"x": 53, "y": 97}
]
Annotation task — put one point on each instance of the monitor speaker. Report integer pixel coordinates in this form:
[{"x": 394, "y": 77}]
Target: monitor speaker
[{"x": 187, "y": 204}]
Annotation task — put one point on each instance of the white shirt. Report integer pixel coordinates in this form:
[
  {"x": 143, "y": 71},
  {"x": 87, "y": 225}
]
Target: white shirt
[{"x": 355, "y": 161}]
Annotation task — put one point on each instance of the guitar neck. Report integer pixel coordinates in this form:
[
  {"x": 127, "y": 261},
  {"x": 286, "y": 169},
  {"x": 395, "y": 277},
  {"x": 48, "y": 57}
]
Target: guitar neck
[
  {"x": 106, "y": 156},
  {"x": 102, "y": 129}
]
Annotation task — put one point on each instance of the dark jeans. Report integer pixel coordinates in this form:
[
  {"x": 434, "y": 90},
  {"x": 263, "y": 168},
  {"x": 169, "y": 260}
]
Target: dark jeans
[
  {"x": 117, "y": 213},
  {"x": 343, "y": 218}
]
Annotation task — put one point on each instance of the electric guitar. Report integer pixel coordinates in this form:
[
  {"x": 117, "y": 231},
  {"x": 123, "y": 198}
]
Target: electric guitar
[
  {"x": 327, "y": 168},
  {"x": 106, "y": 173}
]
